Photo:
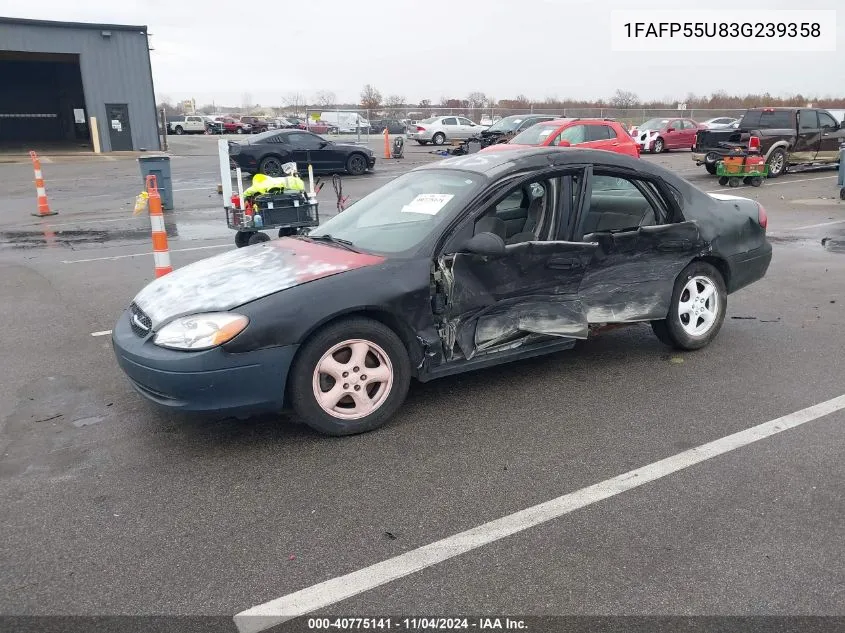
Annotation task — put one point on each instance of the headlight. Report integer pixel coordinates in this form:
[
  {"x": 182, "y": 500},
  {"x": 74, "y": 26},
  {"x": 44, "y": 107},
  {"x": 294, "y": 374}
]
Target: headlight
[{"x": 201, "y": 331}]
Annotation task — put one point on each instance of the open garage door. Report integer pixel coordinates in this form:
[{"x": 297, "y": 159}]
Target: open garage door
[{"x": 42, "y": 104}]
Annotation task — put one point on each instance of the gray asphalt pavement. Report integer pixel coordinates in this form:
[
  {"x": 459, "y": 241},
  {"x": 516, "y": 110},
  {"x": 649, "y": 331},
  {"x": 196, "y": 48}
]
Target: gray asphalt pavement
[{"x": 112, "y": 506}]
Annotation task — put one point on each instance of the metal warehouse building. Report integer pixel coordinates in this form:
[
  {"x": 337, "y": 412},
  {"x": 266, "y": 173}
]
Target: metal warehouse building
[{"x": 55, "y": 76}]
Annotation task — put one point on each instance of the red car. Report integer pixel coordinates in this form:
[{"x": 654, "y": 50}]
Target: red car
[
  {"x": 584, "y": 133},
  {"x": 658, "y": 135},
  {"x": 231, "y": 125}
]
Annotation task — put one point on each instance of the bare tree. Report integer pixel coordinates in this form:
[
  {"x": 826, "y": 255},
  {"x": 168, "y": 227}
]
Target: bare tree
[
  {"x": 295, "y": 100},
  {"x": 370, "y": 98},
  {"x": 395, "y": 103},
  {"x": 624, "y": 99},
  {"x": 326, "y": 98},
  {"x": 477, "y": 100},
  {"x": 425, "y": 106}
]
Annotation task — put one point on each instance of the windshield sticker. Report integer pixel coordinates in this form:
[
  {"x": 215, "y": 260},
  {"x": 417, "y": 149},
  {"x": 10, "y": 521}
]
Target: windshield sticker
[{"x": 428, "y": 203}]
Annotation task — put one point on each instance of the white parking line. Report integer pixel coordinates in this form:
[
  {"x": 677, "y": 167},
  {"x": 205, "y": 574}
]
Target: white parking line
[
  {"x": 103, "y": 333},
  {"x": 326, "y": 593},
  {"x": 815, "y": 226},
  {"x": 776, "y": 184},
  {"x": 172, "y": 250}
]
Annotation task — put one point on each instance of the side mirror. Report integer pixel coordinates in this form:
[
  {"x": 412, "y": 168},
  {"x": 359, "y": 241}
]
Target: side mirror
[
  {"x": 323, "y": 144},
  {"x": 488, "y": 244},
  {"x": 563, "y": 143},
  {"x": 670, "y": 129}
]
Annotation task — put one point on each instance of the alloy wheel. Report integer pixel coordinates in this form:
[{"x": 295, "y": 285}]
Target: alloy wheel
[{"x": 698, "y": 306}]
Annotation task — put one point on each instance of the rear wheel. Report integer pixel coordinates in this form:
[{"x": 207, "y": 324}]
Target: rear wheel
[
  {"x": 734, "y": 182},
  {"x": 350, "y": 377},
  {"x": 723, "y": 180},
  {"x": 438, "y": 139},
  {"x": 756, "y": 181},
  {"x": 711, "y": 168},
  {"x": 776, "y": 163},
  {"x": 271, "y": 166},
  {"x": 697, "y": 308}
]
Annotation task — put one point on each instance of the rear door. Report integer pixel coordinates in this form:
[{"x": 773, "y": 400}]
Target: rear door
[
  {"x": 528, "y": 294},
  {"x": 832, "y": 137},
  {"x": 642, "y": 244},
  {"x": 600, "y": 136},
  {"x": 808, "y": 139},
  {"x": 689, "y": 129}
]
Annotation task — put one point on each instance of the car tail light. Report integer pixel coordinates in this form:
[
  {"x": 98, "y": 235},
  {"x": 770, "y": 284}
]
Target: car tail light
[
  {"x": 762, "y": 217},
  {"x": 754, "y": 143},
  {"x": 420, "y": 128}
]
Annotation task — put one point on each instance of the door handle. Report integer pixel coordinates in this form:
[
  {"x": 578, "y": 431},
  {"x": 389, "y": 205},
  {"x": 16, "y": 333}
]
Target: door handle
[
  {"x": 564, "y": 263},
  {"x": 674, "y": 246}
]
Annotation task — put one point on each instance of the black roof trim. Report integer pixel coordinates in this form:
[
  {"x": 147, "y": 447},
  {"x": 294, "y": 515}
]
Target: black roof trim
[{"x": 72, "y": 25}]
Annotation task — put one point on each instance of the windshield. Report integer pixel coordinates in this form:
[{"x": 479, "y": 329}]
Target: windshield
[
  {"x": 403, "y": 213},
  {"x": 654, "y": 124},
  {"x": 508, "y": 124},
  {"x": 535, "y": 135}
]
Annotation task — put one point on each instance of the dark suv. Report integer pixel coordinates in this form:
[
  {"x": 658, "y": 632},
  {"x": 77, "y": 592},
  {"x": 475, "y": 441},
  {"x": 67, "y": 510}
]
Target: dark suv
[
  {"x": 258, "y": 124},
  {"x": 788, "y": 136}
]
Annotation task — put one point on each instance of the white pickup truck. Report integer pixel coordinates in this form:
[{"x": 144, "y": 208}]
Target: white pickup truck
[{"x": 190, "y": 124}]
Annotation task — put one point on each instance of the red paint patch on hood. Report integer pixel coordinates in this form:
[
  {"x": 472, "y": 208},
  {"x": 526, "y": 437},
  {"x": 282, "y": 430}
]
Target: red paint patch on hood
[{"x": 314, "y": 260}]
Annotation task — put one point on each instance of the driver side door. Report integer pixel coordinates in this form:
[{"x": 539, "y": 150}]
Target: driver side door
[
  {"x": 528, "y": 294},
  {"x": 306, "y": 145}
]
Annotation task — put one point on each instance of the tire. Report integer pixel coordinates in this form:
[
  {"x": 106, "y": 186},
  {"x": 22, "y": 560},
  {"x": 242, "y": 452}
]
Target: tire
[
  {"x": 179, "y": 130},
  {"x": 734, "y": 182},
  {"x": 438, "y": 139},
  {"x": 756, "y": 181},
  {"x": 672, "y": 330},
  {"x": 711, "y": 168},
  {"x": 423, "y": 142},
  {"x": 242, "y": 238},
  {"x": 356, "y": 164},
  {"x": 384, "y": 349},
  {"x": 658, "y": 146},
  {"x": 271, "y": 166},
  {"x": 239, "y": 130},
  {"x": 776, "y": 163},
  {"x": 723, "y": 180},
  {"x": 258, "y": 237},
  {"x": 842, "y": 193}
]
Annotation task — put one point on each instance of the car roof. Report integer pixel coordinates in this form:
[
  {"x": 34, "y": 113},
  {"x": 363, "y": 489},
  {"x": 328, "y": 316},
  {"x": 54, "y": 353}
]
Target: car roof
[{"x": 496, "y": 165}]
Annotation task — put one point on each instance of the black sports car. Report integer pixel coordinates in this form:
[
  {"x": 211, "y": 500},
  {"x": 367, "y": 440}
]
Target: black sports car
[
  {"x": 454, "y": 266},
  {"x": 268, "y": 151}
]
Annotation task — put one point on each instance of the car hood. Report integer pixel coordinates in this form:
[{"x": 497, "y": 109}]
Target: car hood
[
  {"x": 242, "y": 275},
  {"x": 505, "y": 146}
]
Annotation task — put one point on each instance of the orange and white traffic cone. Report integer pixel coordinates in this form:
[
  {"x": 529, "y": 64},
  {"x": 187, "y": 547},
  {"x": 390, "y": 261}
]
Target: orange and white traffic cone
[
  {"x": 386, "y": 143},
  {"x": 161, "y": 254},
  {"x": 43, "y": 205}
]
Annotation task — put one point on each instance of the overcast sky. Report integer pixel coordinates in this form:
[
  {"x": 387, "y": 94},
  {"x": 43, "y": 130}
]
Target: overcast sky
[{"x": 216, "y": 50}]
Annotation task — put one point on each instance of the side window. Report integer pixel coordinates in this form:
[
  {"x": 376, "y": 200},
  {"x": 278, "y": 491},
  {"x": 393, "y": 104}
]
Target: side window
[
  {"x": 688, "y": 125},
  {"x": 620, "y": 204},
  {"x": 574, "y": 134},
  {"x": 450, "y": 121},
  {"x": 599, "y": 133},
  {"x": 522, "y": 215},
  {"x": 675, "y": 124},
  {"x": 777, "y": 120},
  {"x": 305, "y": 141},
  {"x": 463, "y": 121},
  {"x": 826, "y": 121},
  {"x": 808, "y": 120}
]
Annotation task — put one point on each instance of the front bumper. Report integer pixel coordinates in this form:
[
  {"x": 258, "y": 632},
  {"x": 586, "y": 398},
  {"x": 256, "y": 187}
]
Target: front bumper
[
  {"x": 711, "y": 156},
  {"x": 203, "y": 381},
  {"x": 371, "y": 161},
  {"x": 644, "y": 145}
]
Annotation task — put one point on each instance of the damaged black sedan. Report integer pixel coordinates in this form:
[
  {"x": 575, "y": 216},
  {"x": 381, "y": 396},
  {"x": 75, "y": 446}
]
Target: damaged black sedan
[{"x": 461, "y": 264}]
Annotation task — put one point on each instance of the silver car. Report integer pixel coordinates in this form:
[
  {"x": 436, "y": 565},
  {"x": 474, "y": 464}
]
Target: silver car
[
  {"x": 440, "y": 129},
  {"x": 720, "y": 123}
]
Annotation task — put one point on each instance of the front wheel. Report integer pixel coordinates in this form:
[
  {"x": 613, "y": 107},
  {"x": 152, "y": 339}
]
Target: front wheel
[
  {"x": 723, "y": 180},
  {"x": 356, "y": 164},
  {"x": 258, "y": 237},
  {"x": 697, "y": 308},
  {"x": 239, "y": 130},
  {"x": 658, "y": 146},
  {"x": 179, "y": 130},
  {"x": 350, "y": 377},
  {"x": 242, "y": 238}
]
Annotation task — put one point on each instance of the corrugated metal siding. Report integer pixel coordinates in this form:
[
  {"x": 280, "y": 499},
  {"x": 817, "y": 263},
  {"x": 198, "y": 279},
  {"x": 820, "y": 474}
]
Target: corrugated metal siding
[{"x": 114, "y": 70}]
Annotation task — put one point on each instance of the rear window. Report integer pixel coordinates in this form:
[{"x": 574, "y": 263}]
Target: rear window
[{"x": 769, "y": 119}]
